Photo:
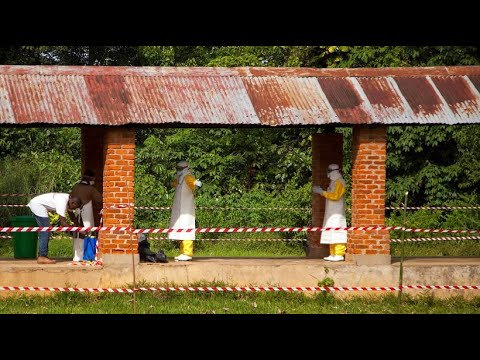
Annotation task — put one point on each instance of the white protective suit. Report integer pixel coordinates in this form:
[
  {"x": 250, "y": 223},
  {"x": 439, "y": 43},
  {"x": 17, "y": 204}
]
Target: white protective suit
[
  {"x": 85, "y": 215},
  {"x": 88, "y": 194},
  {"x": 183, "y": 209},
  {"x": 334, "y": 214}
]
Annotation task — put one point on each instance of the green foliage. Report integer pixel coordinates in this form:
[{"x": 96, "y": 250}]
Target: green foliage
[
  {"x": 296, "y": 56},
  {"x": 23, "y": 142},
  {"x": 427, "y": 162},
  {"x": 230, "y": 161},
  {"x": 402, "y": 56},
  {"x": 157, "y": 55},
  {"x": 35, "y": 173},
  {"x": 327, "y": 282},
  {"x": 70, "y": 55},
  {"x": 239, "y": 60}
]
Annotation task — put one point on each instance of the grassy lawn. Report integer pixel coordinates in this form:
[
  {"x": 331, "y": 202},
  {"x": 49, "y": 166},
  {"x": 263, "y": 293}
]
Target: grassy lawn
[
  {"x": 232, "y": 303},
  {"x": 61, "y": 246}
]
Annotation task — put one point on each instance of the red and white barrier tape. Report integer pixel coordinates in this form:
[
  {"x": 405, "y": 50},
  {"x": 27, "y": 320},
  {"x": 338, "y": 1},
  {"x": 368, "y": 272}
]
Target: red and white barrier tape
[
  {"x": 155, "y": 207},
  {"x": 296, "y": 229},
  {"x": 260, "y": 239},
  {"x": 232, "y": 239},
  {"x": 64, "y": 228},
  {"x": 229, "y": 230},
  {"x": 437, "y": 238},
  {"x": 224, "y": 208},
  {"x": 7, "y": 195},
  {"x": 433, "y": 208},
  {"x": 299, "y": 208},
  {"x": 292, "y": 208},
  {"x": 244, "y": 289},
  {"x": 122, "y": 206}
]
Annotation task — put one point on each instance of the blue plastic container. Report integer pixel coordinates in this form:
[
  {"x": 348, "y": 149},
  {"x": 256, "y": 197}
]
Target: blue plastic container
[{"x": 89, "y": 248}]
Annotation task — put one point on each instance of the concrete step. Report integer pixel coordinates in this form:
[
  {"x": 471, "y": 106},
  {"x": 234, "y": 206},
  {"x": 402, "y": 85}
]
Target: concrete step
[{"x": 244, "y": 271}]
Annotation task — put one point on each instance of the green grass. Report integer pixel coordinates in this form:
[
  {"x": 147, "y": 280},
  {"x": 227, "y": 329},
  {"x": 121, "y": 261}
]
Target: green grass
[
  {"x": 235, "y": 248},
  {"x": 232, "y": 303},
  {"x": 57, "y": 247},
  {"x": 438, "y": 248},
  {"x": 63, "y": 247}
]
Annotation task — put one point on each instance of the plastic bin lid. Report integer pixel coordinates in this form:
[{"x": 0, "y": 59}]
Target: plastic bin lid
[{"x": 24, "y": 219}]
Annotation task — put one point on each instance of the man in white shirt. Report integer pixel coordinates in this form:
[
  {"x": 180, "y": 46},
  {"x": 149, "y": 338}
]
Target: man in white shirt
[{"x": 61, "y": 203}]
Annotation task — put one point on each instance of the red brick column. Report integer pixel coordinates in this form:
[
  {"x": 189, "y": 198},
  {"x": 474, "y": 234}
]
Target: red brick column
[
  {"x": 118, "y": 188},
  {"x": 369, "y": 151},
  {"x": 327, "y": 148}
]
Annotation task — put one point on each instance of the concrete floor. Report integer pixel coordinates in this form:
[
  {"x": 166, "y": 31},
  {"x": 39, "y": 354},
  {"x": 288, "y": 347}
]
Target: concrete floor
[{"x": 247, "y": 272}]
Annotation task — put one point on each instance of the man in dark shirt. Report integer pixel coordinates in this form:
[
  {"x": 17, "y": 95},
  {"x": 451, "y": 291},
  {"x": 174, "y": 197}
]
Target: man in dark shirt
[{"x": 91, "y": 199}]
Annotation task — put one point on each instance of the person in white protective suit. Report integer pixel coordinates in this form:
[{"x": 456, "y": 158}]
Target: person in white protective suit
[
  {"x": 183, "y": 210},
  {"x": 334, "y": 214},
  {"x": 91, "y": 198}
]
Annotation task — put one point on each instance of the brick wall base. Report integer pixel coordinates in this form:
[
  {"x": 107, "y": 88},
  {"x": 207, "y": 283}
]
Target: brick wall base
[{"x": 318, "y": 251}]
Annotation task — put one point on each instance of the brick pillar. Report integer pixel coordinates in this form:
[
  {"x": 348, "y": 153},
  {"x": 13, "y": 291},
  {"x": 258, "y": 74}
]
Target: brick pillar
[
  {"x": 118, "y": 176},
  {"x": 369, "y": 151},
  {"x": 92, "y": 146},
  {"x": 327, "y": 148}
]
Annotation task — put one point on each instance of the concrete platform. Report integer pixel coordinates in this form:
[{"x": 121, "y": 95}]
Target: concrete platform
[{"x": 247, "y": 272}]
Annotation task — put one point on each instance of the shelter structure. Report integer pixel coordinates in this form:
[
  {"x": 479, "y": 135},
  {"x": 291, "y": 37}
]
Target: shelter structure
[{"x": 109, "y": 103}]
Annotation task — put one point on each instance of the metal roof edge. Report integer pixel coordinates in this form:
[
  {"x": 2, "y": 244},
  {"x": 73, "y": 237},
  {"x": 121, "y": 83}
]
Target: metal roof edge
[{"x": 236, "y": 71}]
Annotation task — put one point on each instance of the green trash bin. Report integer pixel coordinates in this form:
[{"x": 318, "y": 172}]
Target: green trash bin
[{"x": 24, "y": 243}]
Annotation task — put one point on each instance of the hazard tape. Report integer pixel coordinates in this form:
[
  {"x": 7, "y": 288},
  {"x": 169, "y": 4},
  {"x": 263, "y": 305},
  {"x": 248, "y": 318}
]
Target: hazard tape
[
  {"x": 122, "y": 206},
  {"x": 244, "y": 289},
  {"x": 299, "y": 240},
  {"x": 155, "y": 207},
  {"x": 7, "y": 195},
  {"x": 433, "y": 208},
  {"x": 65, "y": 228},
  {"x": 224, "y": 208},
  {"x": 52, "y": 238},
  {"x": 294, "y": 208},
  {"x": 296, "y": 229},
  {"x": 232, "y": 239},
  {"x": 436, "y": 239},
  {"x": 229, "y": 230}
]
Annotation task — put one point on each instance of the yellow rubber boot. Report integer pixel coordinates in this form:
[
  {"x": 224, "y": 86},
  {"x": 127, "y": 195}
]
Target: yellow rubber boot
[
  {"x": 339, "y": 249},
  {"x": 332, "y": 249},
  {"x": 186, "y": 251},
  {"x": 181, "y": 247},
  {"x": 186, "y": 247}
]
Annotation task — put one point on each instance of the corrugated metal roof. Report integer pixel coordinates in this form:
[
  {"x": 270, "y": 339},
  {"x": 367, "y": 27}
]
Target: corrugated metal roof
[{"x": 74, "y": 95}]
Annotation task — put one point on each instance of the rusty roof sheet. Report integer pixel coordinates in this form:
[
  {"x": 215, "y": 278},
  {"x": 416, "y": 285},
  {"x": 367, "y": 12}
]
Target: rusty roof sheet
[{"x": 75, "y": 95}]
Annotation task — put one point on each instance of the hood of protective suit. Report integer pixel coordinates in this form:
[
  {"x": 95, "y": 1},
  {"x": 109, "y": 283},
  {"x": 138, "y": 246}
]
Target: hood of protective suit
[
  {"x": 333, "y": 172},
  {"x": 182, "y": 171}
]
